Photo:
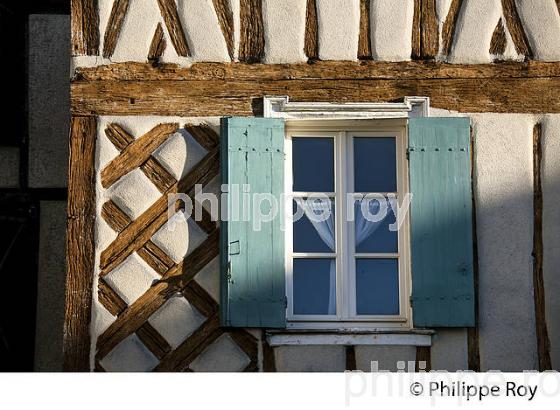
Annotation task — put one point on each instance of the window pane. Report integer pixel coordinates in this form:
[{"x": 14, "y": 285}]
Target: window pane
[
  {"x": 377, "y": 287},
  {"x": 313, "y": 164},
  {"x": 314, "y": 287},
  {"x": 375, "y": 167},
  {"x": 371, "y": 221},
  {"x": 314, "y": 231}
]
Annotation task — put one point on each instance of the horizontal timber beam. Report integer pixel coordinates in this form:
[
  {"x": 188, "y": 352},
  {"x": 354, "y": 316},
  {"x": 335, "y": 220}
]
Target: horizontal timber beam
[{"x": 232, "y": 89}]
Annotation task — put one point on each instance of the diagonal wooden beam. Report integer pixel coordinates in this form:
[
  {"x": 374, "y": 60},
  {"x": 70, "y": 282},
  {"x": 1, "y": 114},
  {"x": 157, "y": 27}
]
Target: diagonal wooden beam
[
  {"x": 170, "y": 15},
  {"x": 200, "y": 299},
  {"x": 114, "y": 25},
  {"x": 204, "y": 135},
  {"x": 448, "y": 30},
  {"x": 225, "y": 18},
  {"x": 249, "y": 344},
  {"x": 157, "y": 46},
  {"x": 155, "y": 172},
  {"x": 251, "y": 43},
  {"x": 136, "y": 153},
  {"x": 515, "y": 27},
  {"x": 137, "y": 233},
  {"x": 364, "y": 40},
  {"x": 151, "y": 338},
  {"x": 84, "y": 19},
  {"x": 498, "y": 42},
  {"x": 184, "y": 355},
  {"x": 175, "y": 280},
  {"x": 311, "y": 31}
]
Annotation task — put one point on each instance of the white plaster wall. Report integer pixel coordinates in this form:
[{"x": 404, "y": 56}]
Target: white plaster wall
[
  {"x": 551, "y": 231},
  {"x": 284, "y": 29},
  {"x": 310, "y": 358},
  {"x": 450, "y": 350},
  {"x": 504, "y": 204},
  {"x": 388, "y": 358},
  {"x": 391, "y": 29},
  {"x": 339, "y": 29},
  {"x": 542, "y": 22}
]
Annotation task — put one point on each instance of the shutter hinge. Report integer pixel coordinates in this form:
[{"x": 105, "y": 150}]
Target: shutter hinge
[
  {"x": 411, "y": 299},
  {"x": 408, "y": 154},
  {"x": 286, "y": 302}
]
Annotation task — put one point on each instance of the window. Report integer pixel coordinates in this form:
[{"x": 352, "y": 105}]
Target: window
[{"x": 347, "y": 265}]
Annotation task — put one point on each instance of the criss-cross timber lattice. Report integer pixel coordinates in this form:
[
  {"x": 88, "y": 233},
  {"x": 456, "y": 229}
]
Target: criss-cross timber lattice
[{"x": 135, "y": 236}]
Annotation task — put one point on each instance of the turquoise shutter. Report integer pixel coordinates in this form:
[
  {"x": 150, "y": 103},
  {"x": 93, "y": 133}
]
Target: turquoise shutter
[
  {"x": 253, "y": 285},
  {"x": 441, "y": 222}
]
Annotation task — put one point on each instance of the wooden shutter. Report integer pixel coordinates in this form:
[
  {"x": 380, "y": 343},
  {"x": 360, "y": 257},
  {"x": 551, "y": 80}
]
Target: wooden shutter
[
  {"x": 253, "y": 288},
  {"x": 441, "y": 222}
]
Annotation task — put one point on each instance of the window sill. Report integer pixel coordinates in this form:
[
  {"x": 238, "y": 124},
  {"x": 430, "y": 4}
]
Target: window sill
[{"x": 358, "y": 337}]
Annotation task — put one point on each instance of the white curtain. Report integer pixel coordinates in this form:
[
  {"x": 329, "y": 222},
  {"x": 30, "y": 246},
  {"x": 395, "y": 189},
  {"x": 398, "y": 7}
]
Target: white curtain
[
  {"x": 319, "y": 212},
  {"x": 365, "y": 227}
]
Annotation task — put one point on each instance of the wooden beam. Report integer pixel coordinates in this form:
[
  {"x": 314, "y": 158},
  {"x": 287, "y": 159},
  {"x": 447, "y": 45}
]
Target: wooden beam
[
  {"x": 113, "y": 29},
  {"x": 430, "y": 30},
  {"x": 311, "y": 46},
  {"x": 364, "y": 40},
  {"x": 225, "y": 18},
  {"x": 251, "y": 43},
  {"x": 448, "y": 30},
  {"x": 157, "y": 46},
  {"x": 136, "y": 153},
  {"x": 498, "y": 42},
  {"x": 80, "y": 252},
  {"x": 172, "y": 21},
  {"x": 515, "y": 27},
  {"x": 319, "y": 70},
  {"x": 417, "y": 30},
  {"x": 221, "y": 98},
  {"x": 423, "y": 359},
  {"x": 84, "y": 18},
  {"x": 351, "y": 358},
  {"x": 269, "y": 361},
  {"x": 473, "y": 341},
  {"x": 543, "y": 342}
]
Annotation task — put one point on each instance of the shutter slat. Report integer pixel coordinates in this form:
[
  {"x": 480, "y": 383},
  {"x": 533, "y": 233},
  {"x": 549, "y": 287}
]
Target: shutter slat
[
  {"x": 253, "y": 273},
  {"x": 441, "y": 222}
]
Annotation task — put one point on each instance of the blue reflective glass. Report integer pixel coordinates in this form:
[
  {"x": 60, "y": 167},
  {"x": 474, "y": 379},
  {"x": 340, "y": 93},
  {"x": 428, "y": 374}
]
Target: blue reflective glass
[
  {"x": 377, "y": 287},
  {"x": 314, "y": 231},
  {"x": 372, "y": 234},
  {"x": 375, "y": 164},
  {"x": 314, "y": 284},
  {"x": 313, "y": 164}
]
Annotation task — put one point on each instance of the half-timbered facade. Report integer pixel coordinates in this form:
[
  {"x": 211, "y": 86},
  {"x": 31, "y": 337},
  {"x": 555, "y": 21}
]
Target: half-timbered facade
[{"x": 151, "y": 81}]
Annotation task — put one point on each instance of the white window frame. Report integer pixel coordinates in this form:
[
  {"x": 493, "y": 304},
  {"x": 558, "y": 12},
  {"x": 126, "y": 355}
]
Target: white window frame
[{"x": 343, "y": 131}]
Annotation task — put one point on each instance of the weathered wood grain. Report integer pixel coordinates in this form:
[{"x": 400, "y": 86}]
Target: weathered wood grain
[
  {"x": 153, "y": 170},
  {"x": 417, "y": 30},
  {"x": 195, "y": 344},
  {"x": 269, "y": 361},
  {"x": 136, "y": 153},
  {"x": 251, "y": 42},
  {"x": 170, "y": 15},
  {"x": 364, "y": 40},
  {"x": 225, "y": 18},
  {"x": 139, "y": 231},
  {"x": 515, "y": 27},
  {"x": 84, "y": 19},
  {"x": 220, "y": 98},
  {"x": 498, "y": 42},
  {"x": 80, "y": 252},
  {"x": 157, "y": 46},
  {"x": 176, "y": 279},
  {"x": 311, "y": 45},
  {"x": 430, "y": 29},
  {"x": 204, "y": 135},
  {"x": 114, "y": 25},
  {"x": 448, "y": 29},
  {"x": 543, "y": 342},
  {"x": 319, "y": 70},
  {"x": 200, "y": 299},
  {"x": 423, "y": 354}
]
